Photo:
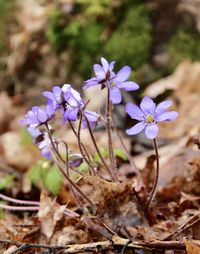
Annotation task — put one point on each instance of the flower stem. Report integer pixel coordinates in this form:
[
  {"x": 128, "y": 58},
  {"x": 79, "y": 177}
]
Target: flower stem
[
  {"x": 97, "y": 148},
  {"x": 153, "y": 191},
  {"x": 110, "y": 145},
  {"x": 84, "y": 148},
  {"x": 61, "y": 165},
  {"x": 81, "y": 147}
]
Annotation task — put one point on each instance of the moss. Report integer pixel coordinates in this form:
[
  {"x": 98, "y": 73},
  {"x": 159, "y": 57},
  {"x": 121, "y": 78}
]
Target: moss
[
  {"x": 130, "y": 43},
  {"x": 85, "y": 36},
  {"x": 184, "y": 44},
  {"x": 6, "y": 7}
]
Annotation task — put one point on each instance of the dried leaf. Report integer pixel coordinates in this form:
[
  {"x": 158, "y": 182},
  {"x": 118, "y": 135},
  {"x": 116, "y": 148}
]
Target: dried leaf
[
  {"x": 191, "y": 247},
  {"x": 49, "y": 214}
]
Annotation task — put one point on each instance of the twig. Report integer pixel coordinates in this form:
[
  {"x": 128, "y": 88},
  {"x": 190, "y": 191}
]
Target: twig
[
  {"x": 115, "y": 243},
  {"x": 67, "y": 211},
  {"x": 153, "y": 191},
  {"x": 19, "y": 201},
  {"x": 19, "y": 208},
  {"x": 188, "y": 224}
]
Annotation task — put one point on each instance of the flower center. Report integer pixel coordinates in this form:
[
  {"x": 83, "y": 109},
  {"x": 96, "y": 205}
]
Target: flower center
[{"x": 149, "y": 119}]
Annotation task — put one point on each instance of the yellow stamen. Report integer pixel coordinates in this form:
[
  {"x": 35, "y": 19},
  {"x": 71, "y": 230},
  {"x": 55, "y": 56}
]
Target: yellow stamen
[{"x": 149, "y": 119}]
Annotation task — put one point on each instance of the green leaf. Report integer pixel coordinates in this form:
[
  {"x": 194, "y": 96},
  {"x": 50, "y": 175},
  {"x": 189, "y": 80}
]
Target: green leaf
[
  {"x": 53, "y": 180},
  {"x": 6, "y": 181},
  {"x": 104, "y": 154},
  {"x": 120, "y": 154},
  {"x": 34, "y": 174},
  {"x": 83, "y": 167}
]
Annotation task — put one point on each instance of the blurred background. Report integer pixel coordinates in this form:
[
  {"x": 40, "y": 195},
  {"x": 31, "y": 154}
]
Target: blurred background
[{"x": 43, "y": 42}]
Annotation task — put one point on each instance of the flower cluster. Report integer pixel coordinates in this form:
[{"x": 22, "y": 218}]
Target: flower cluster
[
  {"x": 106, "y": 77},
  {"x": 69, "y": 102},
  {"x": 72, "y": 107}
]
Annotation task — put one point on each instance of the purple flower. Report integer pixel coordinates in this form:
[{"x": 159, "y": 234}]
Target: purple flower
[
  {"x": 42, "y": 140},
  {"x": 75, "y": 160},
  {"x": 105, "y": 77},
  {"x": 59, "y": 96},
  {"x": 37, "y": 116},
  {"x": 71, "y": 105},
  {"x": 91, "y": 117},
  {"x": 149, "y": 115}
]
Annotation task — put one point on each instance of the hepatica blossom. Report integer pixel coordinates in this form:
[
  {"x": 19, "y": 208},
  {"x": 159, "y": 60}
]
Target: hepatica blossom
[
  {"x": 71, "y": 105},
  {"x": 149, "y": 115},
  {"x": 106, "y": 77},
  {"x": 42, "y": 140},
  {"x": 37, "y": 116}
]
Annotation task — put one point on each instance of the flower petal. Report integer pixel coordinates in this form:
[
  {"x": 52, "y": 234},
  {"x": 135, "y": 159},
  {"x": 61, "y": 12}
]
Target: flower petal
[
  {"x": 151, "y": 131},
  {"x": 42, "y": 116},
  {"x": 167, "y": 116},
  {"x": 147, "y": 105},
  {"x": 91, "y": 116},
  {"x": 163, "y": 106},
  {"x": 136, "y": 129},
  {"x": 134, "y": 111},
  {"x": 46, "y": 153},
  {"x": 128, "y": 86},
  {"x": 99, "y": 71},
  {"x": 91, "y": 82},
  {"x": 111, "y": 66},
  {"x": 115, "y": 95},
  {"x": 48, "y": 95},
  {"x": 123, "y": 74},
  {"x": 71, "y": 114},
  {"x": 34, "y": 132},
  {"x": 57, "y": 93},
  {"x": 105, "y": 64}
]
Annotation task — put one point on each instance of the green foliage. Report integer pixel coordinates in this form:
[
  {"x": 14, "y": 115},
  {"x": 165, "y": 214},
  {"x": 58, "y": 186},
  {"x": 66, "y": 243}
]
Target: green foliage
[
  {"x": 83, "y": 168},
  {"x": 116, "y": 29},
  {"x": 53, "y": 180},
  {"x": 120, "y": 154},
  {"x": 6, "y": 7},
  {"x": 6, "y": 181},
  {"x": 184, "y": 44},
  {"x": 98, "y": 7},
  {"x": 130, "y": 43},
  {"x": 42, "y": 173},
  {"x": 55, "y": 30},
  {"x": 104, "y": 153}
]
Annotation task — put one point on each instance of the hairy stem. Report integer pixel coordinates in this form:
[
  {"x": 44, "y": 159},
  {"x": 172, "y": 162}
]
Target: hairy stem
[
  {"x": 97, "y": 148},
  {"x": 61, "y": 165},
  {"x": 110, "y": 145},
  {"x": 153, "y": 191},
  {"x": 81, "y": 148},
  {"x": 84, "y": 148}
]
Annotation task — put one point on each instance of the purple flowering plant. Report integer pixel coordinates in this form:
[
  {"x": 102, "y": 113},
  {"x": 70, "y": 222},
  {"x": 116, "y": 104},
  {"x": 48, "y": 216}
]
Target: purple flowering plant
[
  {"x": 73, "y": 109},
  {"x": 106, "y": 78},
  {"x": 149, "y": 115}
]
